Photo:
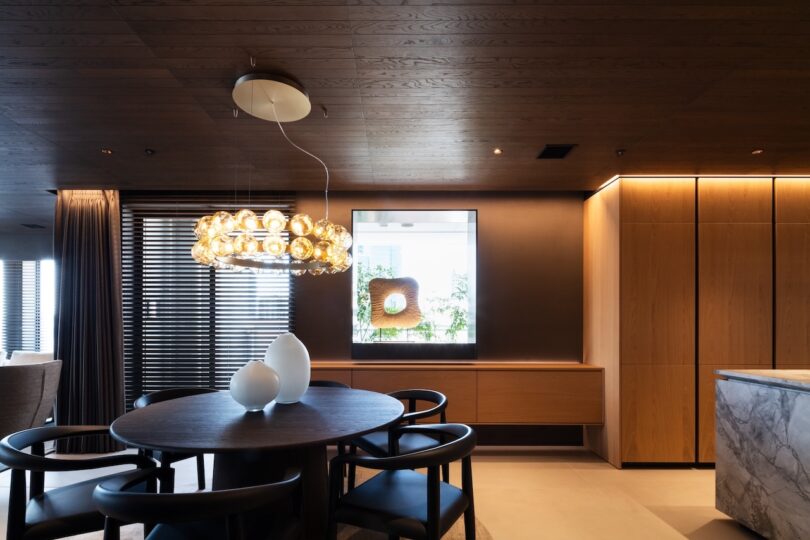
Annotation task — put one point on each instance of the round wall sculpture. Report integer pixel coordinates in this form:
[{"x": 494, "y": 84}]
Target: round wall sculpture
[{"x": 380, "y": 289}]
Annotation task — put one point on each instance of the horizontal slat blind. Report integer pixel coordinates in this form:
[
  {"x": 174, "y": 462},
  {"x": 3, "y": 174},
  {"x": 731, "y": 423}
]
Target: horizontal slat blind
[
  {"x": 21, "y": 306},
  {"x": 187, "y": 324}
]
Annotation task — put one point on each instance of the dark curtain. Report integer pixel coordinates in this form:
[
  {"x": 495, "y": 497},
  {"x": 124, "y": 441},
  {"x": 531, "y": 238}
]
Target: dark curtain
[{"x": 89, "y": 324}]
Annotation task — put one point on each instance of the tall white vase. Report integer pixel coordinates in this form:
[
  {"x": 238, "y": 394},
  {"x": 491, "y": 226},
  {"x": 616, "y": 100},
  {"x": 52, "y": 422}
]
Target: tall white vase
[
  {"x": 288, "y": 356},
  {"x": 254, "y": 385}
]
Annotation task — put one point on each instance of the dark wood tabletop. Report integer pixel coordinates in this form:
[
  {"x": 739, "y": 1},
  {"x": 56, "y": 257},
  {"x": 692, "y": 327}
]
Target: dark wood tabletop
[{"x": 215, "y": 423}]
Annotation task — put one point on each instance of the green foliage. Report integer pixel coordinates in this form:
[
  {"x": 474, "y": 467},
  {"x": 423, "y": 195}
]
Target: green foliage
[
  {"x": 453, "y": 307},
  {"x": 365, "y": 332}
]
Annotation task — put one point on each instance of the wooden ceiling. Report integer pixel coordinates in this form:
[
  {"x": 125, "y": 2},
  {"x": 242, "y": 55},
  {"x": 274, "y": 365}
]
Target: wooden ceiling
[{"x": 418, "y": 93}]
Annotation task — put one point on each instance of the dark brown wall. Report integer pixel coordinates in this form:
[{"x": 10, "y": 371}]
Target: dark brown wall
[{"x": 529, "y": 273}]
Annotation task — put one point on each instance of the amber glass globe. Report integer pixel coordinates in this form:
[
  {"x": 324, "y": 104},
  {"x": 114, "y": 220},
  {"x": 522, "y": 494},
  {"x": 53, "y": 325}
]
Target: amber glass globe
[
  {"x": 321, "y": 251},
  {"x": 320, "y": 229},
  {"x": 274, "y": 245},
  {"x": 301, "y": 248},
  {"x": 224, "y": 222},
  {"x": 301, "y": 225},
  {"x": 201, "y": 228},
  {"x": 246, "y": 244},
  {"x": 246, "y": 220},
  {"x": 222, "y": 245},
  {"x": 274, "y": 221}
]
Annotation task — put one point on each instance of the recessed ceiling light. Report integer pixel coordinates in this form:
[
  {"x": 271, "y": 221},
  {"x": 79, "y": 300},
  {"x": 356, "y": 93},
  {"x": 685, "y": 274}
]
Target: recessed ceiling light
[
  {"x": 107, "y": 151},
  {"x": 757, "y": 151},
  {"x": 149, "y": 151},
  {"x": 497, "y": 151}
]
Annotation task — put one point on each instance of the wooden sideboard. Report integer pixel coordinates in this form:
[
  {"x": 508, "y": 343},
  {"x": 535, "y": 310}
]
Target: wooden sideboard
[{"x": 481, "y": 392}]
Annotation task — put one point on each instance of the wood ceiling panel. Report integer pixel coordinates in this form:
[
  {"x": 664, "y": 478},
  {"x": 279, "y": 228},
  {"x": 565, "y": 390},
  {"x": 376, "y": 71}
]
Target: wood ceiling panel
[{"x": 417, "y": 94}]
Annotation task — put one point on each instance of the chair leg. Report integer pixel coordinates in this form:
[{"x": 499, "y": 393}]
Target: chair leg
[
  {"x": 446, "y": 473},
  {"x": 467, "y": 487},
  {"x": 200, "y": 472},
  {"x": 112, "y": 529},
  {"x": 166, "y": 478},
  {"x": 16, "y": 505},
  {"x": 352, "y": 467}
]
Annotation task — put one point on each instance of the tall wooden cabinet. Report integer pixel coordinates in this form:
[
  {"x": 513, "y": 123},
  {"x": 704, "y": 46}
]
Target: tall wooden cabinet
[
  {"x": 735, "y": 286},
  {"x": 640, "y": 317},
  {"x": 792, "y": 284},
  {"x": 685, "y": 276}
]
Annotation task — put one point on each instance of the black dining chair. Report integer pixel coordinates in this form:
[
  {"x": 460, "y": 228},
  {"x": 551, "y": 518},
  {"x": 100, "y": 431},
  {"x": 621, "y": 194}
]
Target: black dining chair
[
  {"x": 63, "y": 511},
  {"x": 378, "y": 444},
  {"x": 328, "y": 384},
  {"x": 402, "y": 502},
  {"x": 166, "y": 459},
  {"x": 210, "y": 515}
]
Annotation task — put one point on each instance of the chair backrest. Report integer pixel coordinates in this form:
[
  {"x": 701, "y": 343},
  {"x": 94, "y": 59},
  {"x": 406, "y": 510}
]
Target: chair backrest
[
  {"x": 28, "y": 393},
  {"x": 20, "y": 358},
  {"x": 416, "y": 395},
  {"x": 166, "y": 395},
  {"x": 113, "y": 500},
  {"x": 328, "y": 384},
  {"x": 460, "y": 442}
]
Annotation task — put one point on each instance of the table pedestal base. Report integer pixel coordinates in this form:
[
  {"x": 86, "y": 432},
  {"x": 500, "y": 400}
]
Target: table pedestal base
[{"x": 250, "y": 468}]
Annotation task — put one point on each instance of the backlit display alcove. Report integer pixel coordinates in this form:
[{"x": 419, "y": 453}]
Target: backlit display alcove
[{"x": 414, "y": 284}]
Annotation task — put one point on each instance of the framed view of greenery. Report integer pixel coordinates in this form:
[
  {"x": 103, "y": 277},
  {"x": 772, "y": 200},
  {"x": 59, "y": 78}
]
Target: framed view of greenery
[{"x": 433, "y": 252}]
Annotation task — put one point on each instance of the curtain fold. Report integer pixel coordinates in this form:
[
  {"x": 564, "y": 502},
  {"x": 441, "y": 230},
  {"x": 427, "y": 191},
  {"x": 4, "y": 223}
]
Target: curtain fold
[{"x": 89, "y": 326}]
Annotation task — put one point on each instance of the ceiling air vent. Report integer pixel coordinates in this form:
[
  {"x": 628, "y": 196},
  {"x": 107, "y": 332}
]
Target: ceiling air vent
[
  {"x": 555, "y": 151},
  {"x": 32, "y": 226}
]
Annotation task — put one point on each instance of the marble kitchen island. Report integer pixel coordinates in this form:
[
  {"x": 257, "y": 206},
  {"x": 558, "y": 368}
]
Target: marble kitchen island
[{"x": 763, "y": 450}]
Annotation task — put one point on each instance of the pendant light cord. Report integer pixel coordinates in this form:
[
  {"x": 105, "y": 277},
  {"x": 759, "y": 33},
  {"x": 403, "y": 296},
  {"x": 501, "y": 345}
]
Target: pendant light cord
[{"x": 310, "y": 154}]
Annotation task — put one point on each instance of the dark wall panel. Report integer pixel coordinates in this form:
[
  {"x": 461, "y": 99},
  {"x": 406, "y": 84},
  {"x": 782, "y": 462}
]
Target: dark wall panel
[{"x": 529, "y": 273}]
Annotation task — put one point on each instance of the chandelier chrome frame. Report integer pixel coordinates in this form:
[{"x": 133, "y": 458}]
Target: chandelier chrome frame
[{"x": 297, "y": 245}]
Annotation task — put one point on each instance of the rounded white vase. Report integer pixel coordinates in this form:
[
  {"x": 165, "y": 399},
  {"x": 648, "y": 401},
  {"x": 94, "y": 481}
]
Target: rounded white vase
[
  {"x": 290, "y": 358},
  {"x": 254, "y": 385}
]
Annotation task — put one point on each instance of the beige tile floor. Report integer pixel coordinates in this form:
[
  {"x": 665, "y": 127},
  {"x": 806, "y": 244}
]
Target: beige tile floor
[{"x": 562, "y": 494}]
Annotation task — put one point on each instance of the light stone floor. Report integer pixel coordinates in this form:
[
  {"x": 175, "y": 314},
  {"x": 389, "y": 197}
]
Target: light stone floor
[{"x": 561, "y": 494}]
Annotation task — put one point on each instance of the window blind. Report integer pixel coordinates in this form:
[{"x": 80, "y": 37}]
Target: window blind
[
  {"x": 27, "y": 301},
  {"x": 186, "y": 324}
]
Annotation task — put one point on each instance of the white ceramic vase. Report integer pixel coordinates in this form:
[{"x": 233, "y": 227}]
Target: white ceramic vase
[
  {"x": 288, "y": 356},
  {"x": 254, "y": 385}
]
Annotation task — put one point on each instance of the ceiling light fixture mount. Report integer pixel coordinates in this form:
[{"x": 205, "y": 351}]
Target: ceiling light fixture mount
[
  {"x": 757, "y": 152},
  {"x": 273, "y": 242},
  {"x": 497, "y": 151}
]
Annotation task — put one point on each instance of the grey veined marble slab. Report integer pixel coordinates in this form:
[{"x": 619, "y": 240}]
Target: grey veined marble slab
[
  {"x": 798, "y": 379},
  {"x": 763, "y": 455}
]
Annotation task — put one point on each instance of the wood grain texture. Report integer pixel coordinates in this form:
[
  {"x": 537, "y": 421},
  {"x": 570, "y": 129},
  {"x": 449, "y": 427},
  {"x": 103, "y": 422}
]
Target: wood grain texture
[
  {"x": 792, "y": 273},
  {"x": 460, "y": 387},
  {"x": 792, "y": 295},
  {"x": 443, "y": 83},
  {"x": 658, "y": 293},
  {"x": 601, "y": 313},
  {"x": 554, "y": 397},
  {"x": 214, "y": 422},
  {"x": 658, "y": 413},
  {"x": 735, "y": 297},
  {"x": 735, "y": 200},
  {"x": 792, "y": 200},
  {"x": 658, "y": 200},
  {"x": 450, "y": 365}
]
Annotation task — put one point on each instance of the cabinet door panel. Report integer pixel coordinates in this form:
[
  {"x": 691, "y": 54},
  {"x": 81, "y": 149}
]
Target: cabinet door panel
[
  {"x": 658, "y": 414},
  {"x": 735, "y": 294},
  {"x": 658, "y": 293},
  {"x": 459, "y": 386}
]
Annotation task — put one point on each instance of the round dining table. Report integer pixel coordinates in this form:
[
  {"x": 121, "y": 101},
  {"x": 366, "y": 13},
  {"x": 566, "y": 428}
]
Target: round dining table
[{"x": 255, "y": 448}]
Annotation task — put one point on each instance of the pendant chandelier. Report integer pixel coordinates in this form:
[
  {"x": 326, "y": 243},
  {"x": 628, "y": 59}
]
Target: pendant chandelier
[{"x": 273, "y": 242}]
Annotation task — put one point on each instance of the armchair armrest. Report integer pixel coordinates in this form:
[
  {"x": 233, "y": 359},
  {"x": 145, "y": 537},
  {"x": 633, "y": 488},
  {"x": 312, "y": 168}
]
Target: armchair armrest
[{"x": 12, "y": 455}]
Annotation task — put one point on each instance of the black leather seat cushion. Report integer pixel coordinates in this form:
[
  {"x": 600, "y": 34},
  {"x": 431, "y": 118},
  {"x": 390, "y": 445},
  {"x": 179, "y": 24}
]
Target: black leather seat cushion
[
  {"x": 396, "y": 501},
  {"x": 376, "y": 443},
  {"x": 64, "y": 511},
  {"x": 282, "y": 529}
]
